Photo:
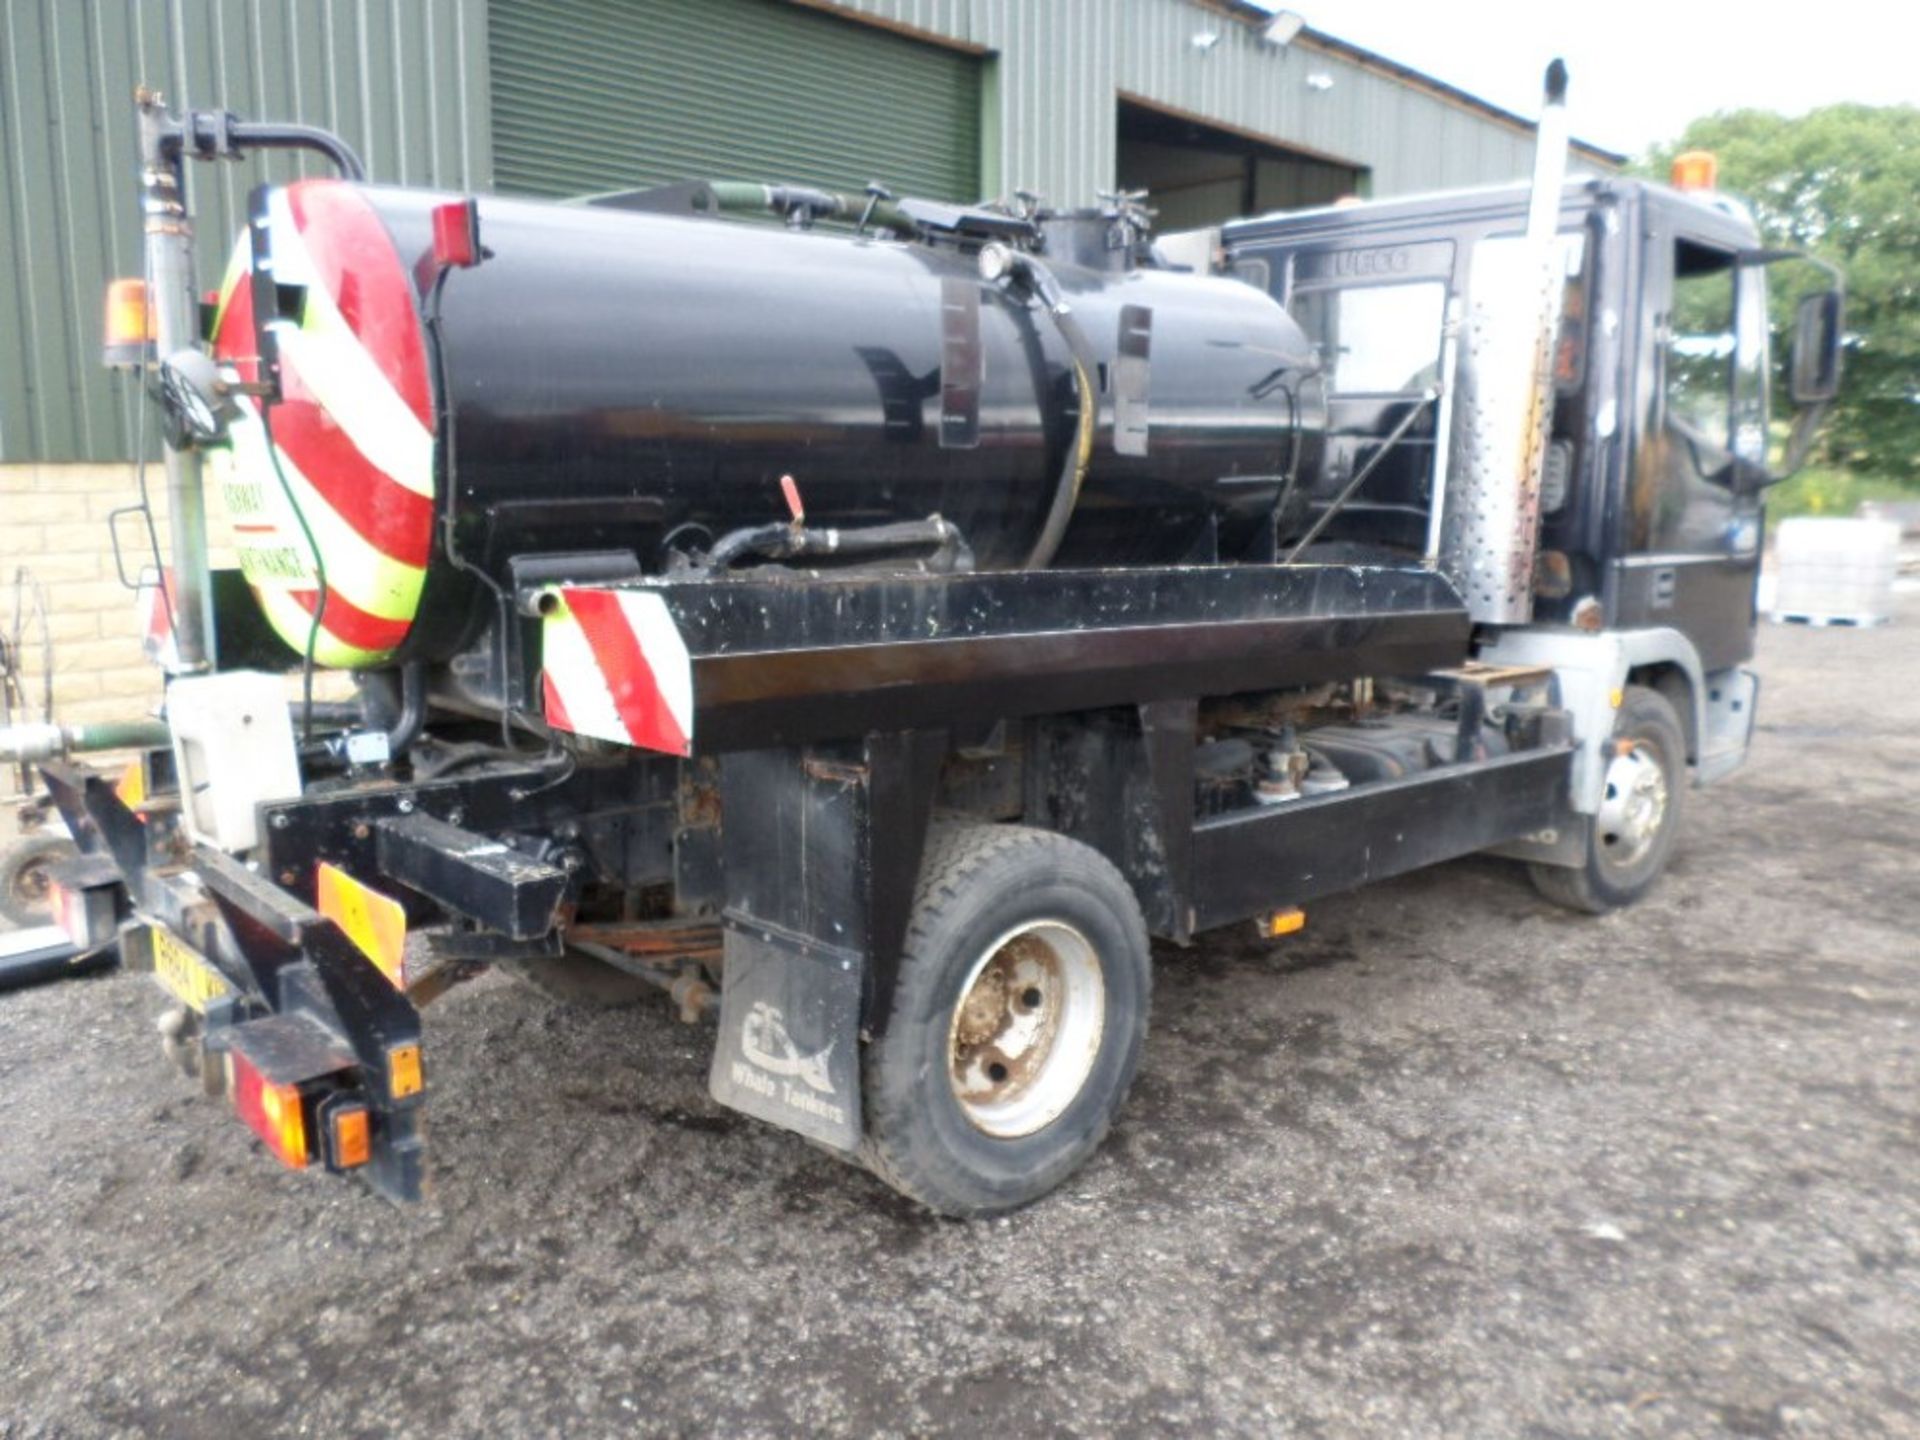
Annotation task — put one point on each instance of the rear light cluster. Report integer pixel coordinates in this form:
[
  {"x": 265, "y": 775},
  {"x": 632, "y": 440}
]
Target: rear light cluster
[{"x": 301, "y": 1124}]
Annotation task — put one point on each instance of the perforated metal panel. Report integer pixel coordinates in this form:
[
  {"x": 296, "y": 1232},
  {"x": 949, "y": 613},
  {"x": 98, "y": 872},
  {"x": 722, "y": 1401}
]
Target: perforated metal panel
[{"x": 1501, "y": 406}]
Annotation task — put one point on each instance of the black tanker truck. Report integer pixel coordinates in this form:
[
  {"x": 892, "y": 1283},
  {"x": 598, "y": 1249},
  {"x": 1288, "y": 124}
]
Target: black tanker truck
[{"x": 872, "y": 619}]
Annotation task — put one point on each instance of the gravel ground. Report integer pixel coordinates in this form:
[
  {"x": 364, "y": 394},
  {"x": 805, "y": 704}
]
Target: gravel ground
[{"x": 1450, "y": 1162}]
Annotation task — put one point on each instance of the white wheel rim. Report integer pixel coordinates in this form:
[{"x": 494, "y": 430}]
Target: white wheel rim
[
  {"x": 1635, "y": 804},
  {"x": 1027, "y": 1029}
]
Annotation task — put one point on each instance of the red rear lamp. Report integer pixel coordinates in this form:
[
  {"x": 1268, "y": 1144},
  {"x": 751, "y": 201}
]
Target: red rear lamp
[
  {"x": 456, "y": 233},
  {"x": 274, "y": 1112},
  {"x": 69, "y": 910},
  {"x": 84, "y": 912}
]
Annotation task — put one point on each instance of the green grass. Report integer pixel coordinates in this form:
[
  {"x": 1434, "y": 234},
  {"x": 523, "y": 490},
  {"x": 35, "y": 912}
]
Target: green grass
[{"x": 1821, "y": 491}]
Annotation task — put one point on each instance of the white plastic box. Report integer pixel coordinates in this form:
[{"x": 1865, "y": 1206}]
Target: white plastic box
[
  {"x": 233, "y": 749},
  {"x": 1835, "y": 572}
]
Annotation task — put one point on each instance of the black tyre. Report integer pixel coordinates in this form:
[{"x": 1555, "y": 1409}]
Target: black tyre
[
  {"x": 25, "y": 897},
  {"x": 1016, "y": 1023},
  {"x": 1639, "y": 816}
]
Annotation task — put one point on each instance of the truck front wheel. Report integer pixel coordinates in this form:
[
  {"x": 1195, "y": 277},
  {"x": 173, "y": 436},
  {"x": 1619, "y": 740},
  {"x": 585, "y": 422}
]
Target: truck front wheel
[
  {"x": 1639, "y": 815},
  {"x": 1016, "y": 1022}
]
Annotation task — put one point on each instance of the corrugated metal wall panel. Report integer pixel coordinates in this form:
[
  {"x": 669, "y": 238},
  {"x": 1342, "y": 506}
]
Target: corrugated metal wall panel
[
  {"x": 1061, "y": 63},
  {"x": 605, "y": 94},
  {"x": 404, "y": 80},
  {"x": 408, "y": 82}
]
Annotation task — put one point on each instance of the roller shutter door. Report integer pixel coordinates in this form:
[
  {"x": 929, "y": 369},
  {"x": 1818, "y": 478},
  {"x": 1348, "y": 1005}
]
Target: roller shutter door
[{"x": 593, "y": 95}]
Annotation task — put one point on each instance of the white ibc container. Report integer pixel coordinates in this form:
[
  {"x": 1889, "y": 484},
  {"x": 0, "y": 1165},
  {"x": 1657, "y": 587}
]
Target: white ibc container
[{"x": 1835, "y": 571}]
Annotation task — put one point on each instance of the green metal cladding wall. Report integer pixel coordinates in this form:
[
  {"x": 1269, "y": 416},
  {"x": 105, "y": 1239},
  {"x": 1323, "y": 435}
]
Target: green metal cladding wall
[
  {"x": 593, "y": 95},
  {"x": 569, "y": 96},
  {"x": 1061, "y": 66},
  {"x": 405, "y": 81}
]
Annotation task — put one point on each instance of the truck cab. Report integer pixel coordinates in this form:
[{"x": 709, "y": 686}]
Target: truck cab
[
  {"x": 1652, "y": 485},
  {"x": 1649, "y": 506}
]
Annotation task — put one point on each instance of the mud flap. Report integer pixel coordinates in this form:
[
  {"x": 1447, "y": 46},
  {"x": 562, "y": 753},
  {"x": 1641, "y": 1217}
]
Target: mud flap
[{"x": 789, "y": 1046}]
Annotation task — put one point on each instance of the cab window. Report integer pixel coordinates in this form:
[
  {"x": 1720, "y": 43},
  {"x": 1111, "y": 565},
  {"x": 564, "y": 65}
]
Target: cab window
[
  {"x": 1716, "y": 353},
  {"x": 1375, "y": 339}
]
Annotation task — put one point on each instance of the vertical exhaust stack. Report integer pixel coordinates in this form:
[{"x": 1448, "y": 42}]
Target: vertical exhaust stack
[
  {"x": 1503, "y": 400},
  {"x": 169, "y": 267}
]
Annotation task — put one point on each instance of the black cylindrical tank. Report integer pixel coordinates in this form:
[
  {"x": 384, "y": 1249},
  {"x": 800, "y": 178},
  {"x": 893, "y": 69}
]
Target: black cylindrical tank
[{"x": 611, "y": 380}]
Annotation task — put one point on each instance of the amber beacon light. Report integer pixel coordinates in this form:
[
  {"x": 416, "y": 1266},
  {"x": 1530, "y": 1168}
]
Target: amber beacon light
[
  {"x": 129, "y": 325},
  {"x": 1695, "y": 170}
]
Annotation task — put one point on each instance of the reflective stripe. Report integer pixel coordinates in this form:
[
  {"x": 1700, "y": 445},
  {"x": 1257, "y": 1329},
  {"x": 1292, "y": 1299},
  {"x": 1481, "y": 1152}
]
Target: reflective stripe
[
  {"x": 343, "y": 375},
  {"x": 353, "y": 430},
  {"x": 291, "y": 623},
  {"x": 347, "y": 622},
  {"x": 393, "y": 520},
  {"x": 619, "y": 670},
  {"x": 572, "y": 672},
  {"x": 371, "y": 581},
  {"x": 364, "y": 277},
  {"x": 645, "y": 663}
]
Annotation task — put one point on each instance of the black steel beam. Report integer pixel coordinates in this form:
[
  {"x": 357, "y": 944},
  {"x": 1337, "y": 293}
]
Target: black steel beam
[
  {"x": 783, "y": 662},
  {"x": 1247, "y": 863},
  {"x": 486, "y": 880}
]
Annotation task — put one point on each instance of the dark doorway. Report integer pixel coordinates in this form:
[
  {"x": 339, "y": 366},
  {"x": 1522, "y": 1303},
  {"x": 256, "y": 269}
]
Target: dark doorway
[{"x": 1197, "y": 174}]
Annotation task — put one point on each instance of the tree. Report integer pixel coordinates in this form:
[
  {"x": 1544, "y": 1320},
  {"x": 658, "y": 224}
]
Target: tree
[{"x": 1843, "y": 183}]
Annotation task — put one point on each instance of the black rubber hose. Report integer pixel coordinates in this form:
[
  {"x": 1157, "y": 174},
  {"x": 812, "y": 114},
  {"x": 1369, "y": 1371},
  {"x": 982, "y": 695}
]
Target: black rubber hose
[
  {"x": 1073, "y": 466},
  {"x": 789, "y": 542},
  {"x": 413, "y": 709}
]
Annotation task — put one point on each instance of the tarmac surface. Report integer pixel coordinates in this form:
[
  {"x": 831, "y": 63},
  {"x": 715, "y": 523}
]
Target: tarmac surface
[{"x": 1450, "y": 1162}]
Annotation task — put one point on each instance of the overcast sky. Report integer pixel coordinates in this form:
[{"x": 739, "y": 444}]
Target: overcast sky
[{"x": 1642, "y": 68}]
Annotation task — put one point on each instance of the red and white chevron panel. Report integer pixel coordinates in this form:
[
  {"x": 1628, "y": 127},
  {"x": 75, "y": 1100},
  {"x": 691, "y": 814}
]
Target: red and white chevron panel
[{"x": 614, "y": 667}]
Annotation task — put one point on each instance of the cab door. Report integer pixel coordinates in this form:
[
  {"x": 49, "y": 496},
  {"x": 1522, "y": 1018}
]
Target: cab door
[{"x": 1690, "y": 544}]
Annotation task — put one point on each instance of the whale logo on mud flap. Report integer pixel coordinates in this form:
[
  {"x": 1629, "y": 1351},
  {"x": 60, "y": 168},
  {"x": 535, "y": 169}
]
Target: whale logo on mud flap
[
  {"x": 764, "y": 1042},
  {"x": 788, "y": 1051}
]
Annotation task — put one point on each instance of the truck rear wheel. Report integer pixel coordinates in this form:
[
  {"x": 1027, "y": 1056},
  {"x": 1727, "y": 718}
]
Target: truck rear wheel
[
  {"x": 26, "y": 890},
  {"x": 1639, "y": 815},
  {"x": 1016, "y": 1023}
]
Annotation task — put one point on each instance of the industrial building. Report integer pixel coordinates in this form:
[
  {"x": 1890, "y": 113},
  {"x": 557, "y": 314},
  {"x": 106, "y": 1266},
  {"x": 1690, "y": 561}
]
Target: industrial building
[{"x": 1213, "y": 107}]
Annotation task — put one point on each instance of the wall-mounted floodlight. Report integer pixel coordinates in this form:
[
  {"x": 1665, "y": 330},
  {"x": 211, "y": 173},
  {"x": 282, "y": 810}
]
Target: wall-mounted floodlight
[
  {"x": 1319, "y": 80},
  {"x": 1205, "y": 40},
  {"x": 1283, "y": 29}
]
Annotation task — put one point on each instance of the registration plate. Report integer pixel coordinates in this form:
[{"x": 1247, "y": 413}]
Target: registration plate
[{"x": 185, "y": 973}]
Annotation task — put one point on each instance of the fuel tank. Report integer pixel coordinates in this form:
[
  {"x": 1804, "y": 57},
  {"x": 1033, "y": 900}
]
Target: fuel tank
[{"x": 611, "y": 380}]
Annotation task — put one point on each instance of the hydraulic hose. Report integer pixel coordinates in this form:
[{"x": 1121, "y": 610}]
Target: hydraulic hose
[
  {"x": 790, "y": 542},
  {"x": 750, "y": 197},
  {"x": 1073, "y": 465}
]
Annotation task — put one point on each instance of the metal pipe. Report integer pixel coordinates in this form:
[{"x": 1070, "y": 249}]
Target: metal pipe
[
  {"x": 172, "y": 301},
  {"x": 175, "y": 311},
  {"x": 218, "y": 136},
  {"x": 1549, "y": 159},
  {"x": 801, "y": 201},
  {"x": 1352, "y": 487},
  {"x": 30, "y": 744},
  {"x": 413, "y": 709}
]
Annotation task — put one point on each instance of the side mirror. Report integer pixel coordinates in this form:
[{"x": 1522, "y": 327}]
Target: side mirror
[{"x": 1814, "y": 375}]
